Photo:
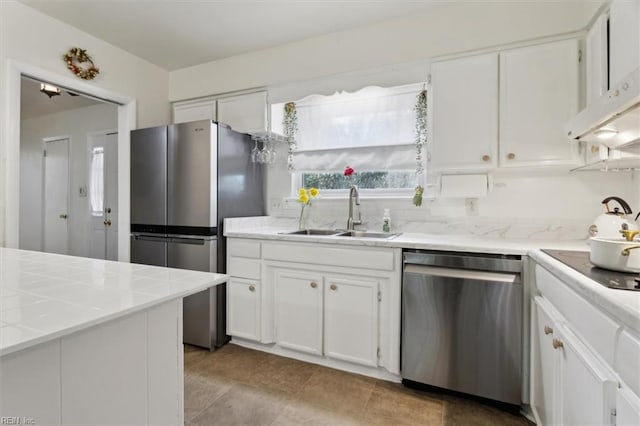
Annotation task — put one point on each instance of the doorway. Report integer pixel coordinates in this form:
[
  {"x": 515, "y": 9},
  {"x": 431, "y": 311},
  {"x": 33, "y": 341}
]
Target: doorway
[
  {"x": 126, "y": 121},
  {"x": 58, "y": 218},
  {"x": 55, "y": 203},
  {"x": 103, "y": 195}
]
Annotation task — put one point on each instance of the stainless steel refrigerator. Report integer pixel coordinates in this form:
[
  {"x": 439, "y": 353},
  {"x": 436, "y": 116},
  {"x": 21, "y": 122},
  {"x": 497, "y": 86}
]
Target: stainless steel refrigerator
[{"x": 185, "y": 179}]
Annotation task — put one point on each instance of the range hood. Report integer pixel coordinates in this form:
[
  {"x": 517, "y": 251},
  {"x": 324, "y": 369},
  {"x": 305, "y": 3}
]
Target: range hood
[{"x": 613, "y": 119}]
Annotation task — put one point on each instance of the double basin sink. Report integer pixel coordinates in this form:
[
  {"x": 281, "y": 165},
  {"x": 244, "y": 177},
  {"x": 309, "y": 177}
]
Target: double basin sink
[{"x": 343, "y": 233}]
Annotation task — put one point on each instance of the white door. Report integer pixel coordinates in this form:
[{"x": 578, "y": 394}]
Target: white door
[
  {"x": 351, "y": 320},
  {"x": 103, "y": 196},
  {"x": 56, "y": 196},
  {"x": 299, "y": 310},
  {"x": 464, "y": 94}
]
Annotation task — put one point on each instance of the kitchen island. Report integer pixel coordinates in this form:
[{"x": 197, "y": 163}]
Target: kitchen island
[{"x": 86, "y": 341}]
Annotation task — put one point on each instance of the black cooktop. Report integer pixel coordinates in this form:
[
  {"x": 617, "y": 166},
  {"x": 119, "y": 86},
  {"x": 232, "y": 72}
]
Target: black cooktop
[{"x": 579, "y": 260}]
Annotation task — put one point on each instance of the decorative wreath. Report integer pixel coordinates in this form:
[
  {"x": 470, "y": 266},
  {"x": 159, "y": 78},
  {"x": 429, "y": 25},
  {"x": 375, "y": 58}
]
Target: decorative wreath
[{"x": 75, "y": 57}]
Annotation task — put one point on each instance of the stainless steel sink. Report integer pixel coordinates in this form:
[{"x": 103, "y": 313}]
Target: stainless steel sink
[
  {"x": 343, "y": 233},
  {"x": 365, "y": 234},
  {"x": 314, "y": 232}
]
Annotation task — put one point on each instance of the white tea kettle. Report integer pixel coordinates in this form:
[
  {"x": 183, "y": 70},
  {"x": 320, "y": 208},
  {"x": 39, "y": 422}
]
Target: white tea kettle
[{"x": 609, "y": 224}]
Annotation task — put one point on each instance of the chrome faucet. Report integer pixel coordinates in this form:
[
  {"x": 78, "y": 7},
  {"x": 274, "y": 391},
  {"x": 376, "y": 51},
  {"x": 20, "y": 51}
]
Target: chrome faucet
[{"x": 354, "y": 197}]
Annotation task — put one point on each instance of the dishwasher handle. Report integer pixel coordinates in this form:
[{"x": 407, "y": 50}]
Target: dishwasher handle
[{"x": 466, "y": 274}]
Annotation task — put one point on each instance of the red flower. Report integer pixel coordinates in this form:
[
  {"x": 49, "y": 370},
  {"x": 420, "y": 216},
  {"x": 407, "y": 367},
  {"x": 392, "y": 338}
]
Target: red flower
[{"x": 348, "y": 171}]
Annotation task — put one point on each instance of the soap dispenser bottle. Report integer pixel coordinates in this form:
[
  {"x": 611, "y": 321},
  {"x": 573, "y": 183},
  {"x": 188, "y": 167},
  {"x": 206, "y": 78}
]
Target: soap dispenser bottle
[{"x": 386, "y": 221}]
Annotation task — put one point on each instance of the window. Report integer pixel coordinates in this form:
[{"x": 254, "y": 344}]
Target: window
[
  {"x": 371, "y": 130},
  {"x": 96, "y": 181}
]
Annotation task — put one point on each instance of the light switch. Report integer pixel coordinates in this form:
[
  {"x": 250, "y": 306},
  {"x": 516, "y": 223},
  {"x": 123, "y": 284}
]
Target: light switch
[{"x": 82, "y": 191}]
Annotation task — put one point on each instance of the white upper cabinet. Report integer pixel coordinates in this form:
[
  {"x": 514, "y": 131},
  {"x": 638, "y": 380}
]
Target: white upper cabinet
[
  {"x": 538, "y": 95},
  {"x": 245, "y": 113},
  {"x": 465, "y": 113},
  {"x": 505, "y": 109},
  {"x": 624, "y": 41},
  {"x": 184, "y": 112},
  {"x": 596, "y": 59}
]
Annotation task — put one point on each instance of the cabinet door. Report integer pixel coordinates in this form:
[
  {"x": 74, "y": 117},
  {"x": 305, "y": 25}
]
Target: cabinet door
[
  {"x": 624, "y": 42},
  {"x": 465, "y": 113},
  {"x": 194, "y": 111},
  {"x": 596, "y": 59},
  {"x": 244, "y": 113},
  {"x": 543, "y": 363},
  {"x": 587, "y": 390},
  {"x": 243, "y": 308},
  {"x": 627, "y": 407},
  {"x": 538, "y": 95},
  {"x": 351, "y": 320},
  {"x": 298, "y": 310}
]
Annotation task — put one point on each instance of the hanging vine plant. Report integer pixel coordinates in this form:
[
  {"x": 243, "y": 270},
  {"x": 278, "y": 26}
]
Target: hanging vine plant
[
  {"x": 420, "y": 141},
  {"x": 290, "y": 124}
]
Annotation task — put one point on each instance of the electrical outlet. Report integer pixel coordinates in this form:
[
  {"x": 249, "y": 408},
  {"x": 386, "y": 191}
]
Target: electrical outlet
[
  {"x": 275, "y": 204},
  {"x": 471, "y": 206}
]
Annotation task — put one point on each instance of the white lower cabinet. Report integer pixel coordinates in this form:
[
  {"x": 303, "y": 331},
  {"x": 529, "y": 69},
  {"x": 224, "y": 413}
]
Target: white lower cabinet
[
  {"x": 571, "y": 386},
  {"x": 323, "y": 314},
  {"x": 243, "y": 308}
]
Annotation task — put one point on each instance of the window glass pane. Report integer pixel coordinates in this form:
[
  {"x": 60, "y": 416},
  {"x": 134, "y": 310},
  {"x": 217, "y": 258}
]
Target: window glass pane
[
  {"x": 96, "y": 181},
  {"x": 364, "y": 180}
]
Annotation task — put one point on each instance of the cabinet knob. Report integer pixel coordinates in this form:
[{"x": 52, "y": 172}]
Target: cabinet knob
[
  {"x": 548, "y": 330},
  {"x": 486, "y": 158},
  {"x": 333, "y": 287},
  {"x": 557, "y": 344},
  {"x": 313, "y": 285},
  {"x": 252, "y": 288},
  {"x": 511, "y": 156},
  {"x": 595, "y": 149}
]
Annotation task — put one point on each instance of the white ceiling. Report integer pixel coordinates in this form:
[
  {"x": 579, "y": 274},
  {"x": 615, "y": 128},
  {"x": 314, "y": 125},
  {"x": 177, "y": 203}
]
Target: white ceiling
[
  {"x": 35, "y": 104},
  {"x": 177, "y": 34}
]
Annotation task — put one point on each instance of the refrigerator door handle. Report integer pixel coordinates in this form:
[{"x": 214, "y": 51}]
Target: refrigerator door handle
[
  {"x": 193, "y": 241},
  {"x": 151, "y": 238}
]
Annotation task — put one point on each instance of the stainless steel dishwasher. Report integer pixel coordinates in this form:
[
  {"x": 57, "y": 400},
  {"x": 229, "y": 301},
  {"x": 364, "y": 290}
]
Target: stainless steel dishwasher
[{"x": 462, "y": 323}]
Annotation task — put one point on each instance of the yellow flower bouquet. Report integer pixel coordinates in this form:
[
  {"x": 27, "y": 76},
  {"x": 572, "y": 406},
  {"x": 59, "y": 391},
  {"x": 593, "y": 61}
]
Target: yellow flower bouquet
[{"x": 304, "y": 197}]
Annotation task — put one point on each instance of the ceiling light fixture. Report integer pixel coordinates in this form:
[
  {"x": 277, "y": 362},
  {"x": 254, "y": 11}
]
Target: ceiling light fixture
[
  {"x": 49, "y": 90},
  {"x": 605, "y": 133}
]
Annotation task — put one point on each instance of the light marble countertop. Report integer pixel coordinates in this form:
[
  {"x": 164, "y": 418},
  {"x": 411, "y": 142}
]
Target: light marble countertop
[
  {"x": 621, "y": 304},
  {"x": 45, "y": 296}
]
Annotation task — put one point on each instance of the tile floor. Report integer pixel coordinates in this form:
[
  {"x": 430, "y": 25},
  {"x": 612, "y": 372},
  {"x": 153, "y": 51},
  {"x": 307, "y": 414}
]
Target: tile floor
[{"x": 239, "y": 386}]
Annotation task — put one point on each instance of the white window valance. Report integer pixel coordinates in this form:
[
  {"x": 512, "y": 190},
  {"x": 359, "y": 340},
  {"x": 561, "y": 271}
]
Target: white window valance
[{"x": 371, "y": 129}]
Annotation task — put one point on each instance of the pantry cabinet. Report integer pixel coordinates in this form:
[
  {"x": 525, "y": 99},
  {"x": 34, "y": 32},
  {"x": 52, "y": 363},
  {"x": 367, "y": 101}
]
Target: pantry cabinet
[{"x": 505, "y": 109}]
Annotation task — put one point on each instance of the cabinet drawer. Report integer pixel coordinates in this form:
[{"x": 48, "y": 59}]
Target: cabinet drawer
[
  {"x": 313, "y": 253},
  {"x": 243, "y": 268},
  {"x": 593, "y": 326},
  {"x": 243, "y": 248},
  {"x": 628, "y": 360}
]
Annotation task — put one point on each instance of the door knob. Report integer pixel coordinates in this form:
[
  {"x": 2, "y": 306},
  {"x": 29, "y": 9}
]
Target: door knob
[
  {"x": 557, "y": 344},
  {"x": 63, "y": 216},
  {"x": 107, "y": 222},
  {"x": 548, "y": 330},
  {"x": 108, "y": 210}
]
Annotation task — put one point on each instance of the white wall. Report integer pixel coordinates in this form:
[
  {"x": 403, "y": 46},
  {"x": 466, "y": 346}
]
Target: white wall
[
  {"x": 447, "y": 28},
  {"x": 76, "y": 123},
  {"x": 30, "y": 37}
]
